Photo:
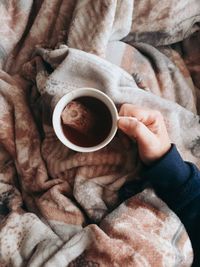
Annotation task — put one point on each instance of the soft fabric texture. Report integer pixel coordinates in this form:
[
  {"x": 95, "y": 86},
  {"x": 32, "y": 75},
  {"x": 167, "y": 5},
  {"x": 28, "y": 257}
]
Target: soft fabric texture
[
  {"x": 180, "y": 189},
  {"x": 62, "y": 208},
  {"x": 164, "y": 22}
]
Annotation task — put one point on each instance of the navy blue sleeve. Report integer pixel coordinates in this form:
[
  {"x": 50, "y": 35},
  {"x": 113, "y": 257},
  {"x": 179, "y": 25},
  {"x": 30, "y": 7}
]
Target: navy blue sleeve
[{"x": 177, "y": 183}]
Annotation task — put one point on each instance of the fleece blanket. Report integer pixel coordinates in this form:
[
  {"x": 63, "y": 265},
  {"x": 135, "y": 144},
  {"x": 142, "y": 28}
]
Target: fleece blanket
[{"x": 63, "y": 208}]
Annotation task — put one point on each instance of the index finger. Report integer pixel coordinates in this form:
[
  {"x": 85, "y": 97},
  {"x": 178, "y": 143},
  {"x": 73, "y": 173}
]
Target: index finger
[{"x": 144, "y": 115}]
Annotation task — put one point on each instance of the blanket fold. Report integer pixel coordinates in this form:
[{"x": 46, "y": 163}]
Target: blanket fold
[{"x": 59, "y": 207}]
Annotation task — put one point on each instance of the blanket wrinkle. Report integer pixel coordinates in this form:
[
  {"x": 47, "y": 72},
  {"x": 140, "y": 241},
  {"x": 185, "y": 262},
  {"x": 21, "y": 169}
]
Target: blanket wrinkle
[
  {"x": 59, "y": 207},
  {"x": 163, "y": 23},
  {"x": 190, "y": 51}
]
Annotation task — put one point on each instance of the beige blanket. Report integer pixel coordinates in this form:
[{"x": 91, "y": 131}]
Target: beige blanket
[{"x": 62, "y": 208}]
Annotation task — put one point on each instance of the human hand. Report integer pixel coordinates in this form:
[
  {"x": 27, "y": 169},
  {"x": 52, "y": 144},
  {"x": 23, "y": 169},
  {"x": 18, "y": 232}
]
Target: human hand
[{"x": 148, "y": 128}]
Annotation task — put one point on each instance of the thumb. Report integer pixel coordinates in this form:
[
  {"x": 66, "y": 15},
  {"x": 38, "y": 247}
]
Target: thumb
[
  {"x": 136, "y": 129},
  {"x": 126, "y": 124}
]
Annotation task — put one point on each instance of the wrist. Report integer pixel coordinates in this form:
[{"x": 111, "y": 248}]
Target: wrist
[
  {"x": 168, "y": 172},
  {"x": 156, "y": 156}
]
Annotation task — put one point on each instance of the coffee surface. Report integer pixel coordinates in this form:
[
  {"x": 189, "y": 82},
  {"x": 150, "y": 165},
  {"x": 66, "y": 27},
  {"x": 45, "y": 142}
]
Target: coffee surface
[{"x": 101, "y": 123}]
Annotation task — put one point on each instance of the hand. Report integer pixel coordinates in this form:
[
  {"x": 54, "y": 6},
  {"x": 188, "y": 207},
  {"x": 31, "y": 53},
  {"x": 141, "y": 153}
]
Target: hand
[{"x": 148, "y": 128}]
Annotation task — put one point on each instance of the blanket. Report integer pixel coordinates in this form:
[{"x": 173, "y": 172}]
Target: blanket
[{"x": 59, "y": 207}]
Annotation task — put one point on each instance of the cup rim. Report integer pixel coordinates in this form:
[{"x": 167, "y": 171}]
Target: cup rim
[{"x": 85, "y": 91}]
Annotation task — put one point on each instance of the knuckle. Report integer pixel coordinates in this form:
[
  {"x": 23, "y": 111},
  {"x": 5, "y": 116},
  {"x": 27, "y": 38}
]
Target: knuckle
[{"x": 124, "y": 108}]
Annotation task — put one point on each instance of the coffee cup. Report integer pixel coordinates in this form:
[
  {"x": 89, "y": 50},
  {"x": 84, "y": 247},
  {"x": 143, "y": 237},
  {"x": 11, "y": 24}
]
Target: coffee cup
[{"x": 106, "y": 120}]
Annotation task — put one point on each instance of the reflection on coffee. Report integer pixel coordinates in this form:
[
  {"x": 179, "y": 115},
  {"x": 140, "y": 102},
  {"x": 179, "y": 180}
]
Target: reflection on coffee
[{"x": 86, "y": 121}]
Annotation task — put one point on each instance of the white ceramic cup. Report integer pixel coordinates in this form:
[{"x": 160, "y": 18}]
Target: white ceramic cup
[{"x": 73, "y": 95}]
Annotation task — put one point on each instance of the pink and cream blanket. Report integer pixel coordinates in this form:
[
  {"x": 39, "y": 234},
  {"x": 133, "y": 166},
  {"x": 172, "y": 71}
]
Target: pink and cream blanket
[{"x": 62, "y": 208}]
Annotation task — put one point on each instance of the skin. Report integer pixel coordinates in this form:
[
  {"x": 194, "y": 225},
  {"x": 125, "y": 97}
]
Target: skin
[{"x": 148, "y": 128}]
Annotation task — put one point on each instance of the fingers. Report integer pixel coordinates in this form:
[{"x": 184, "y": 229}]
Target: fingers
[
  {"x": 148, "y": 128},
  {"x": 144, "y": 115},
  {"x": 136, "y": 129}
]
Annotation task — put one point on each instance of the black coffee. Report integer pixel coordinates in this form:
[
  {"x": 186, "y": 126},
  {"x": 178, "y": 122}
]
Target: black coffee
[{"x": 101, "y": 127}]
